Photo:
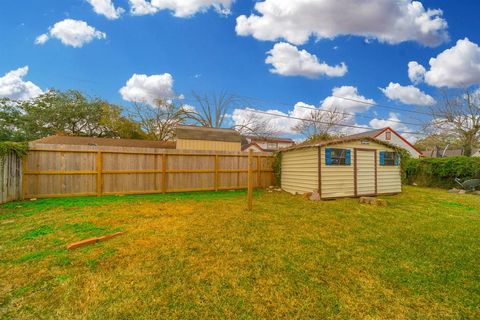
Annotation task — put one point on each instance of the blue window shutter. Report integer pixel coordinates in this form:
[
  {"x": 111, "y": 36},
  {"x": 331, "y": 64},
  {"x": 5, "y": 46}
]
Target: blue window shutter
[
  {"x": 382, "y": 158},
  {"x": 328, "y": 156},
  {"x": 397, "y": 159},
  {"x": 347, "y": 157}
]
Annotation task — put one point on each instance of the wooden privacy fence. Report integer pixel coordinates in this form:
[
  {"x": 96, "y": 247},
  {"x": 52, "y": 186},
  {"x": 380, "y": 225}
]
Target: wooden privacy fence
[
  {"x": 10, "y": 178},
  {"x": 57, "y": 172}
]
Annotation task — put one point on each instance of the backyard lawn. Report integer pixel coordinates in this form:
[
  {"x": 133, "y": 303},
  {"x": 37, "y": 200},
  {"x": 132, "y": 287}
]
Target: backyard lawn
[{"x": 202, "y": 255}]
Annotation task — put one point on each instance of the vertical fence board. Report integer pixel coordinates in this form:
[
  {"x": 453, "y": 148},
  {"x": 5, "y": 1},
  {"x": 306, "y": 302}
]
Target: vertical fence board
[{"x": 11, "y": 184}]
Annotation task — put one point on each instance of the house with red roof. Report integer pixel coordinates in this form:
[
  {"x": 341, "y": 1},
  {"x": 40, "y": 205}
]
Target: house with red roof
[{"x": 391, "y": 136}]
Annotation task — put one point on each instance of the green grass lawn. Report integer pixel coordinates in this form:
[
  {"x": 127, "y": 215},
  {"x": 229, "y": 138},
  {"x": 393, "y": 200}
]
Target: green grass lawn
[{"x": 202, "y": 255}]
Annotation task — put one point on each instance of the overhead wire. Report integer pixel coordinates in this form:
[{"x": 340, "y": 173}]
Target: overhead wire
[{"x": 322, "y": 122}]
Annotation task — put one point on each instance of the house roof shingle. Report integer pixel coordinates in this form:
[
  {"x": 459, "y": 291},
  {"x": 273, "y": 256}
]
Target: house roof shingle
[
  {"x": 371, "y": 134},
  {"x": 110, "y": 142},
  {"x": 211, "y": 134}
]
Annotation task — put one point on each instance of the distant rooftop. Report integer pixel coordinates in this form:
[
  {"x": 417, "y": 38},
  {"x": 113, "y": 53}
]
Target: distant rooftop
[
  {"x": 204, "y": 133},
  {"x": 268, "y": 139},
  {"x": 368, "y": 134},
  {"x": 110, "y": 142}
]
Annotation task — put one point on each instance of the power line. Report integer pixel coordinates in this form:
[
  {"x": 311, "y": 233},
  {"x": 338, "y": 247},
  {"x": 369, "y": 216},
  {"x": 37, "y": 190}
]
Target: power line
[
  {"x": 381, "y": 106},
  {"x": 345, "y": 98},
  {"x": 339, "y": 112},
  {"x": 359, "y": 115},
  {"x": 322, "y": 122}
]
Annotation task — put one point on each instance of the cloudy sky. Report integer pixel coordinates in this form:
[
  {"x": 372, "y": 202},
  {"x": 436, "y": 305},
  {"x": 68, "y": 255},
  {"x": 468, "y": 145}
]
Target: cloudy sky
[{"x": 375, "y": 60}]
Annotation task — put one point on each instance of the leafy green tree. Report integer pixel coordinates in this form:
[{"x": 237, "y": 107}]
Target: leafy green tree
[
  {"x": 72, "y": 113},
  {"x": 11, "y": 121},
  {"x": 69, "y": 113}
]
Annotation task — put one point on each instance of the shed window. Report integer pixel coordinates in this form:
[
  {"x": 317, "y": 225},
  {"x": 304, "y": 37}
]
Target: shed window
[
  {"x": 389, "y": 158},
  {"x": 388, "y": 135},
  {"x": 337, "y": 157}
]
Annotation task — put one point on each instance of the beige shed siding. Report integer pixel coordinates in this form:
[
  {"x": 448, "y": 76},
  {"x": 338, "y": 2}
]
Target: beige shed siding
[
  {"x": 365, "y": 172},
  {"x": 339, "y": 181},
  {"x": 300, "y": 170},
  {"x": 389, "y": 179},
  {"x": 186, "y": 144}
]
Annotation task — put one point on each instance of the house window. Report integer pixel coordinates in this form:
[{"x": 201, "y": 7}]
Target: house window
[
  {"x": 388, "y": 135},
  {"x": 337, "y": 157},
  {"x": 389, "y": 158}
]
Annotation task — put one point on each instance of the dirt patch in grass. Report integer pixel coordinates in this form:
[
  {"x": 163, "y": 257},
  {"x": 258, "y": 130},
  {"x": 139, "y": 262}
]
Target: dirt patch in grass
[{"x": 202, "y": 255}]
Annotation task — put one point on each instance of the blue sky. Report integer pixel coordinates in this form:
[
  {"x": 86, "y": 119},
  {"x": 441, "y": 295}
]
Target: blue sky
[{"x": 205, "y": 53}]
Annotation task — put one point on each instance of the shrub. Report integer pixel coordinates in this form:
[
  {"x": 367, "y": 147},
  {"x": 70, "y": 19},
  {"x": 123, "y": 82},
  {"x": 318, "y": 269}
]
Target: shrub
[
  {"x": 441, "y": 172},
  {"x": 277, "y": 168},
  {"x": 19, "y": 148},
  {"x": 7, "y": 147}
]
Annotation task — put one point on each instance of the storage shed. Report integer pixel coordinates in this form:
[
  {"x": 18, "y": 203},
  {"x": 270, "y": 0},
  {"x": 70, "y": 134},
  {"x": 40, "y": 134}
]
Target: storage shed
[
  {"x": 210, "y": 139},
  {"x": 349, "y": 167}
]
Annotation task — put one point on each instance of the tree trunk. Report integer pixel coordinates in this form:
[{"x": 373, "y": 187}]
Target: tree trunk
[{"x": 468, "y": 145}]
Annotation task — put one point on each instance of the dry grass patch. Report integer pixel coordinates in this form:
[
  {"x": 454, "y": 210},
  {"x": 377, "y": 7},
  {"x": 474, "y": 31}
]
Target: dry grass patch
[{"x": 204, "y": 256}]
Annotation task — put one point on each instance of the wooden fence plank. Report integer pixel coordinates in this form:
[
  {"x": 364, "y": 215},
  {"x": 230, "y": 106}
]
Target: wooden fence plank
[
  {"x": 99, "y": 173},
  {"x": 11, "y": 180},
  {"x": 250, "y": 180},
  {"x": 61, "y": 172}
]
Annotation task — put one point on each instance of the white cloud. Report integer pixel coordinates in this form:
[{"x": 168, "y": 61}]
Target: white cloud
[
  {"x": 408, "y": 95},
  {"x": 287, "y": 60},
  {"x": 106, "y": 8},
  {"x": 416, "y": 72},
  {"x": 143, "y": 88},
  {"x": 280, "y": 122},
  {"x": 285, "y": 122},
  {"x": 347, "y": 99},
  {"x": 71, "y": 32},
  {"x": 41, "y": 39},
  {"x": 141, "y": 7},
  {"x": 14, "y": 87},
  {"x": 393, "y": 121},
  {"x": 180, "y": 8},
  {"x": 391, "y": 21},
  {"x": 456, "y": 67}
]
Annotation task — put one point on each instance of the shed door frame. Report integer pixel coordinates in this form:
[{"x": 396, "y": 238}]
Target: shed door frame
[{"x": 355, "y": 168}]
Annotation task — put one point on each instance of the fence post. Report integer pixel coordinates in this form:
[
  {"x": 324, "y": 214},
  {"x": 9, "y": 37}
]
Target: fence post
[
  {"x": 24, "y": 177},
  {"x": 155, "y": 168},
  {"x": 216, "y": 172},
  {"x": 99, "y": 173},
  {"x": 164, "y": 173},
  {"x": 259, "y": 173},
  {"x": 250, "y": 180}
]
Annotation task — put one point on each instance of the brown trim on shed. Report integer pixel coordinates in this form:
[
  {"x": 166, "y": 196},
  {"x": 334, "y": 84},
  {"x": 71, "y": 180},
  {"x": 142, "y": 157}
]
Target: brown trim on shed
[
  {"x": 376, "y": 175},
  {"x": 320, "y": 171},
  {"x": 355, "y": 171}
]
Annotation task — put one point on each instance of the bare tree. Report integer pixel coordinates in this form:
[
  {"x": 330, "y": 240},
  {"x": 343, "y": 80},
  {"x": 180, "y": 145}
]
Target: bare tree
[
  {"x": 211, "y": 110},
  {"x": 257, "y": 126},
  {"x": 319, "y": 123},
  {"x": 160, "y": 121},
  {"x": 458, "y": 116}
]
